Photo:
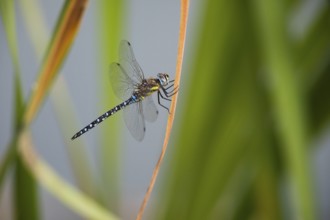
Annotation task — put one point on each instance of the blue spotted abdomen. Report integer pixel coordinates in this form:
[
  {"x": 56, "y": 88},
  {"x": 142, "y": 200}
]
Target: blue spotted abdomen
[{"x": 112, "y": 111}]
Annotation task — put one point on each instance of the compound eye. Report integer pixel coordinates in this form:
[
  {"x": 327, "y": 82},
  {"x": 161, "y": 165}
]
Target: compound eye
[{"x": 163, "y": 80}]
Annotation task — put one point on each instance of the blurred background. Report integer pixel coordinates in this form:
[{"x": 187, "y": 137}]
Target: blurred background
[{"x": 251, "y": 138}]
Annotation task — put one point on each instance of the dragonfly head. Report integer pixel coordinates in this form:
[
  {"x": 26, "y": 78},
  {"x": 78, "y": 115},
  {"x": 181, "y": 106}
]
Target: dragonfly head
[{"x": 163, "y": 78}]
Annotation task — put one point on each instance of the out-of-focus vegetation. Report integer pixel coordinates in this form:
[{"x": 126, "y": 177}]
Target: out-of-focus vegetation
[
  {"x": 257, "y": 99},
  {"x": 30, "y": 169},
  {"x": 259, "y": 96}
]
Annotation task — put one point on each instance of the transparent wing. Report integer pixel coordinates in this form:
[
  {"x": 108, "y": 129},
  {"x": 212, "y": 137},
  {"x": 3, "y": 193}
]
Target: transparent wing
[
  {"x": 134, "y": 120},
  {"x": 130, "y": 64},
  {"x": 122, "y": 85},
  {"x": 149, "y": 109}
]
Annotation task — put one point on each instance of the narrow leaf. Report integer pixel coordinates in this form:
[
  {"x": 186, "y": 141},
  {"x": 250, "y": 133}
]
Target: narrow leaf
[
  {"x": 60, "y": 189},
  {"x": 288, "y": 104},
  {"x": 111, "y": 20},
  {"x": 63, "y": 37},
  {"x": 26, "y": 200},
  {"x": 60, "y": 97}
]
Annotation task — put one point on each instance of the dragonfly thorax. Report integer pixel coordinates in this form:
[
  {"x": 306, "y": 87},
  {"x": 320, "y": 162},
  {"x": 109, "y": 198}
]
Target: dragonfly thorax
[{"x": 163, "y": 78}]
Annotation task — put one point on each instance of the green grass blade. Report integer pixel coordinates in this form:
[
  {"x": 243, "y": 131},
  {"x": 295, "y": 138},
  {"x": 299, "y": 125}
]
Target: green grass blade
[
  {"x": 7, "y": 13},
  {"x": 26, "y": 193},
  {"x": 110, "y": 17},
  {"x": 62, "y": 38},
  {"x": 228, "y": 118},
  {"x": 60, "y": 97},
  {"x": 319, "y": 107},
  {"x": 313, "y": 50},
  {"x": 288, "y": 104},
  {"x": 65, "y": 31},
  {"x": 9, "y": 22},
  {"x": 63, "y": 191},
  {"x": 7, "y": 161},
  {"x": 212, "y": 75},
  {"x": 314, "y": 59},
  {"x": 25, "y": 190}
]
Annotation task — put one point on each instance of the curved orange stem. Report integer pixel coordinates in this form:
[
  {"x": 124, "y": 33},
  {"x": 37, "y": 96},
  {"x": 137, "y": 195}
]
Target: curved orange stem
[{"x": 182, "y": 38}]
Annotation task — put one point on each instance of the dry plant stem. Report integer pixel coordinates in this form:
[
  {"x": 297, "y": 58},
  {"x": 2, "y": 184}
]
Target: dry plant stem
[{"x": 182, "y": 37}]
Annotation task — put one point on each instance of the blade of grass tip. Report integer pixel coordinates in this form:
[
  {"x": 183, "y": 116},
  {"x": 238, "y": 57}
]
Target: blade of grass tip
[
  {"x": 64, "y": 34},
  {"x": 60, "y": 189},
  {"x": 182, "y": 37}
]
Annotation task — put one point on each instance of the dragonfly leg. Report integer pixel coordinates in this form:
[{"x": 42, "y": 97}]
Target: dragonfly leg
[
  {"x": 160, "y": 95},
  {"x": 171, "y": 93},
  {"x": 169, "y": 87},
  {"x": 166, "y": 97}
]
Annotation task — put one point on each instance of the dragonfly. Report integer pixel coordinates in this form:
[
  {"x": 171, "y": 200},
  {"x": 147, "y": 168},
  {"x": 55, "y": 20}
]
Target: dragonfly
[{"x": 129, "y": 84}]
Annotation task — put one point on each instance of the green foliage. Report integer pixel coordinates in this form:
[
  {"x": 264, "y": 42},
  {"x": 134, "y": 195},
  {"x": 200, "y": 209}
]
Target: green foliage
[
  {"x": 26, "y": 200},
  {"x": 110, "y": 17},
  {"x": 245, "y": 131}
]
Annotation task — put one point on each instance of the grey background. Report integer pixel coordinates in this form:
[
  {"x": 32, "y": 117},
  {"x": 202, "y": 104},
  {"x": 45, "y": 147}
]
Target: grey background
[{"x": 152, "y": 28}]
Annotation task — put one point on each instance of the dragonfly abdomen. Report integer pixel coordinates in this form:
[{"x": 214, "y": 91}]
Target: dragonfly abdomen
[{"x": 112, "y": 111}]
